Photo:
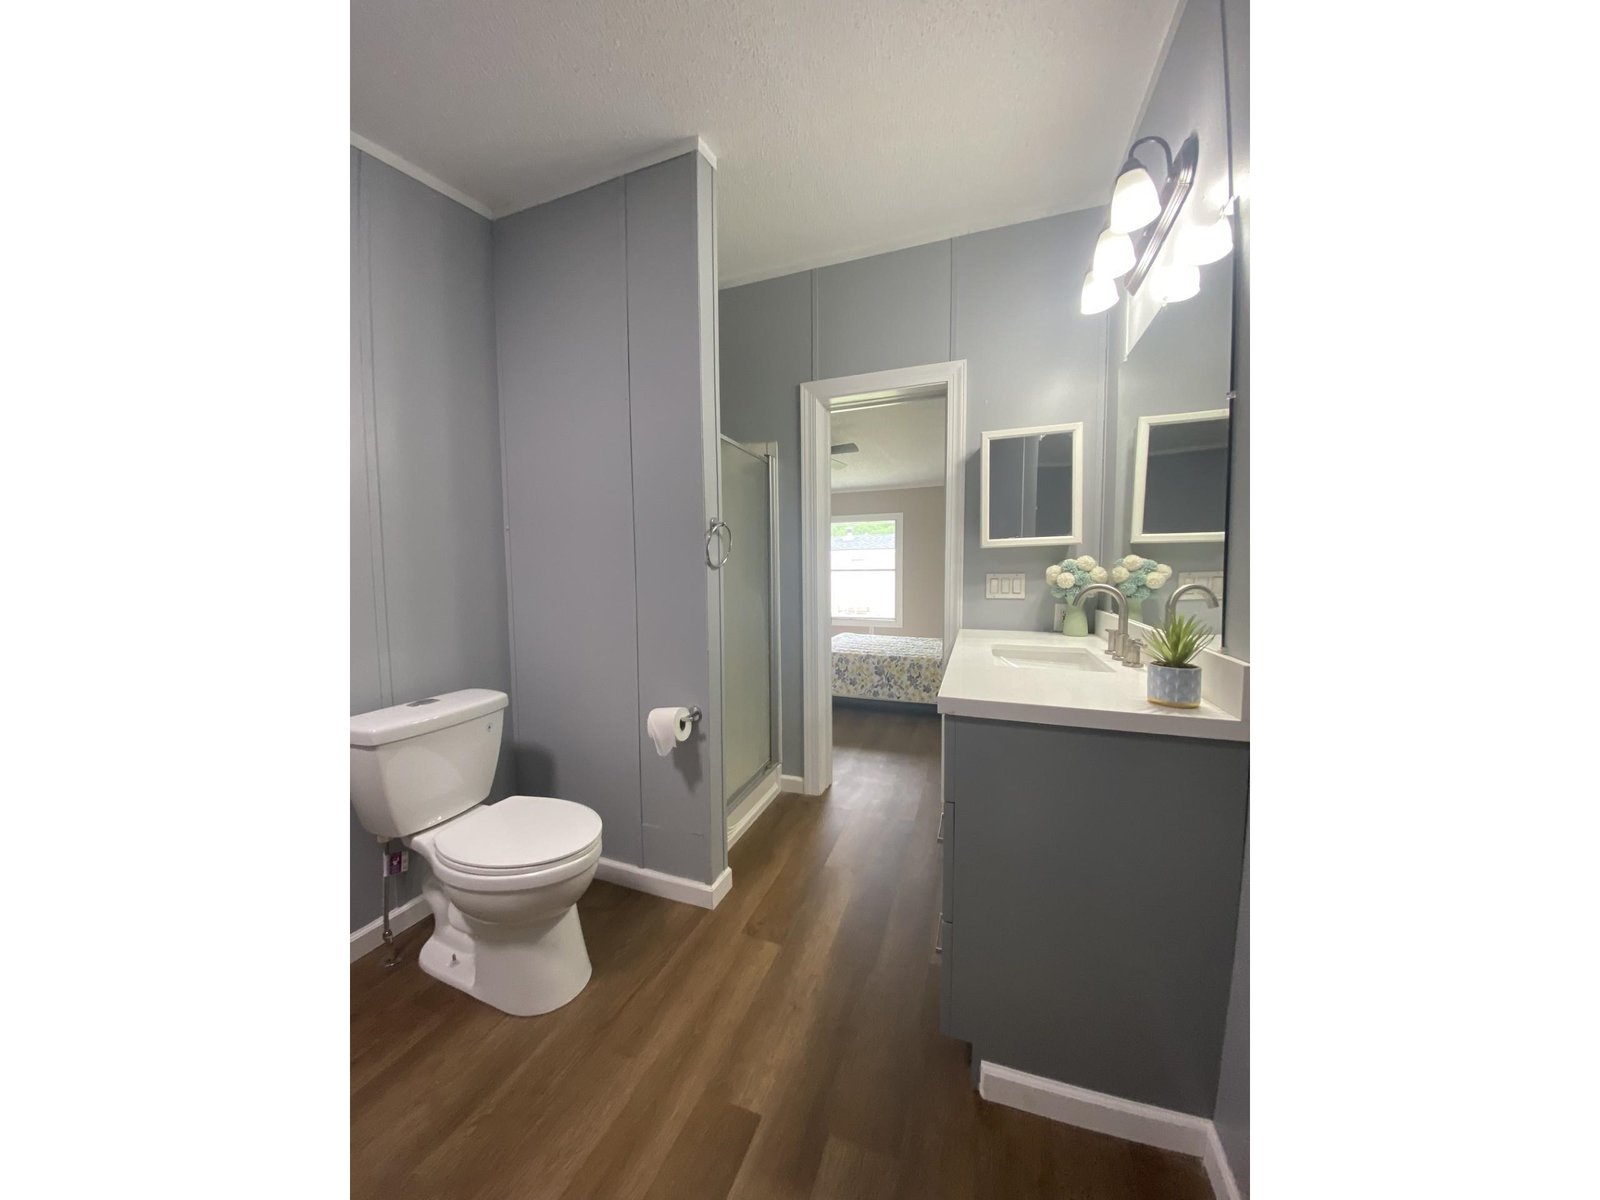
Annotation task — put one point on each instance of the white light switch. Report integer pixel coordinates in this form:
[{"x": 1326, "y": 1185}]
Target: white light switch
[{"x": 1005, "y": 587}]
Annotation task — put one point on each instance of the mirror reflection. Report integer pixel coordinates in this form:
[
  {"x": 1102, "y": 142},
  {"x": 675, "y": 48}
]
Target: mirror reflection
[
  {"x": 1168, "y": 424},
  {"x": 1033, "y": 486},
  {"x": 1180, "y": 481}
]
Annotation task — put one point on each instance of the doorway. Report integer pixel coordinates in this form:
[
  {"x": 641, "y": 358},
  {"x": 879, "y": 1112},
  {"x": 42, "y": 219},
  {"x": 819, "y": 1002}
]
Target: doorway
[{"x": 820, "y": 402}]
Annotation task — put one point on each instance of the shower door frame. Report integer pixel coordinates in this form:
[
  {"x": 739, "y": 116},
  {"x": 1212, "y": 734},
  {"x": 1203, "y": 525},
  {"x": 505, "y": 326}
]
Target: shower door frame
[{"x": 768, "y": 453}]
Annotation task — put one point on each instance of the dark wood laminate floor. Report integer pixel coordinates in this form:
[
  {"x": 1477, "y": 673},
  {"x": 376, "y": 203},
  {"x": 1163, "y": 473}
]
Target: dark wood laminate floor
[{"x": 784, "y": 1045}]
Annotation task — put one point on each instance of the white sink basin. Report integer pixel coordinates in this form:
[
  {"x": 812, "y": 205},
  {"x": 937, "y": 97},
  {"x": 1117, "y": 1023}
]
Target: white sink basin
[{"x": 1051, "y": 658}]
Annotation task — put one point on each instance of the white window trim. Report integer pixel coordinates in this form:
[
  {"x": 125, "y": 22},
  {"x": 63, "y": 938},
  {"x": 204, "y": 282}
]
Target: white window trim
[{"x": 899, "y": 619}]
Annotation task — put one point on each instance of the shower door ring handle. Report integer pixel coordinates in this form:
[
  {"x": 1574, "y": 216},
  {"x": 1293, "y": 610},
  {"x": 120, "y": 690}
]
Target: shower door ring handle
[{"x": 716, "y": 528}]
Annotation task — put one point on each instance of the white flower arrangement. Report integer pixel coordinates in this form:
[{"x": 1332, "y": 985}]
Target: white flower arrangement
[
  {"x": 1141, "y": 578},
  {"x": 1067, "y": 579}
]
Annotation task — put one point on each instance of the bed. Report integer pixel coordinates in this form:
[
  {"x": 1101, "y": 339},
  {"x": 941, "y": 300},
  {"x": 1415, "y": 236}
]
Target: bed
[{"x": 903, "y": 670}]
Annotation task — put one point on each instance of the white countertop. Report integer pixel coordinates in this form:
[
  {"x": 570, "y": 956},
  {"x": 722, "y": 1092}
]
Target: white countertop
[{"x": 978, "y": 684}]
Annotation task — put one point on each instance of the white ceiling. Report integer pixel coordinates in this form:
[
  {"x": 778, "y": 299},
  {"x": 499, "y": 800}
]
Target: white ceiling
[
  {"x": 901, "y": 445},
  {"x": 841, "y": 128}
]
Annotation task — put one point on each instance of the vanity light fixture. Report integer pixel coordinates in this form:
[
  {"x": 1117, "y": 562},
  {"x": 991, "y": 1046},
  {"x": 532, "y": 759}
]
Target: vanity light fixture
[
  {"x": 1098, "y": 294},
  {"x": 1113, "y": 255},
  {"x": 1207, "y": 242},
  {"x": 1137, "y": 231},
  {"x": 1135, "y": 201},
  {"x": 1179, "y": 281}
]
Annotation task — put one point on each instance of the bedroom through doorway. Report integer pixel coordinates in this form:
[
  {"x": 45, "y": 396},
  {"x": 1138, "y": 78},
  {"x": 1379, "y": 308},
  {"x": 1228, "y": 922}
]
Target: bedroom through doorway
[{"x": 882, "y": 546}]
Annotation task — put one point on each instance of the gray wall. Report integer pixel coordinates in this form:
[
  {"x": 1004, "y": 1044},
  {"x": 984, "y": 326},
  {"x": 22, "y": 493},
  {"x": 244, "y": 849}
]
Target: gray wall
[
  {"x": 996, "y": 299},
  {"x": 1182, "y": 361},
  {"x": 765, "y": 353},
  {"x": 603, "y": 306},
  {"x": 1232, "y": 1115},
  {"x": 427, "y": 559}
]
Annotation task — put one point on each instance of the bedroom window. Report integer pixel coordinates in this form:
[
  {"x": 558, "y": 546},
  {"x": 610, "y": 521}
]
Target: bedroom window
[{"x": 866, "y": 560}]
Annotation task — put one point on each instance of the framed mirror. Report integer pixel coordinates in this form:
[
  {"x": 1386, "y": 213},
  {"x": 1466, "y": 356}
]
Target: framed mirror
[
  {"x": 1032, "y": 486},
  {"x": 1180, "y": 478}
]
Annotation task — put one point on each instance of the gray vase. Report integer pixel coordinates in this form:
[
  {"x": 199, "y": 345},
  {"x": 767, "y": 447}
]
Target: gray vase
[{"x": 1174, "y": 687}]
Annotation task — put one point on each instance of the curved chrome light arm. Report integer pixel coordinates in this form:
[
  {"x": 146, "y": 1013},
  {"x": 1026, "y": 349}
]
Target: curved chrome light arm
[
  {"x": 1133, "y": 159},
  {"x": 1180, "y": 181}
]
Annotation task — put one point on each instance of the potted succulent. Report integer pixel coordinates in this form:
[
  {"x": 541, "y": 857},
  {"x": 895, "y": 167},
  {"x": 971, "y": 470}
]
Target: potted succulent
[
  {"x": 1139, "y": 578},
  {"x": 1172, "y": 678},
  {"x": 1067, "y": 579}
]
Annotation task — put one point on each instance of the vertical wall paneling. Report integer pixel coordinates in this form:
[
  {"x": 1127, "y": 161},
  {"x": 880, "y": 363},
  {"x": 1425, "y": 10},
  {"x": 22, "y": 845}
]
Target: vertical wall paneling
[
  {"x": 561, "y": 315},
  {"x": 890, "y": 310},
  {"x": 1032, "y": 359},
  {"x": 606, "y": 343},
  {"x": 765, "y": 349},
  {"x": 1004, "y": 299},
  {"x": 428, "y": 610},
  {"x": 672, "y": 424}
]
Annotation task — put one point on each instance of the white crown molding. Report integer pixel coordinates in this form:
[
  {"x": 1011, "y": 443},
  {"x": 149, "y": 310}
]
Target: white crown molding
[
  {"x": 407, "y": 167},
  {"x": 661, "y": 154},
  {"x": 690, "y": 145}
]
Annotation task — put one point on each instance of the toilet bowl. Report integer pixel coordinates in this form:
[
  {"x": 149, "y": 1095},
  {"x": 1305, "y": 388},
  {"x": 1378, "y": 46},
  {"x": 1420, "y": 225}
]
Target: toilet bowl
[
  {"x": 506, "y": 877},
  {"x": 506, "y": 880}
]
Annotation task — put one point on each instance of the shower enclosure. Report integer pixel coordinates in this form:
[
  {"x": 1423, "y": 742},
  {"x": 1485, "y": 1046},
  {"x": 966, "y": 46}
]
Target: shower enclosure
[{"x": 747, "y": 543}]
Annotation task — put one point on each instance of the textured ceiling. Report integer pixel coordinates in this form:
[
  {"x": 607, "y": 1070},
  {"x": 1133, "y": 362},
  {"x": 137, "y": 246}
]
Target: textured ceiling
[
  {"x": 901, "y": 445},
  {"x": 841, "y": 128}
]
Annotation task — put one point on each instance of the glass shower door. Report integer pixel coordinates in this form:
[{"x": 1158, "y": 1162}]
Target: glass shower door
[{"x": 748, "y": 743}]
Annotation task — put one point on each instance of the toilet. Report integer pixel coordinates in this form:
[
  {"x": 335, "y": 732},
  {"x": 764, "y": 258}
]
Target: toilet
[{"x": 506, "y": 877}]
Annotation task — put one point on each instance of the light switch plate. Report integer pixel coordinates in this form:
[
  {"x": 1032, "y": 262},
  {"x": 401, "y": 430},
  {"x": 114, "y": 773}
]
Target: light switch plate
[{"x": 1005, "y": 587}]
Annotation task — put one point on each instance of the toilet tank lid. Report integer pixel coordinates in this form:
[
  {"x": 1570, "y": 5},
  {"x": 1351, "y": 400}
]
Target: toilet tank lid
[{"x": 421, "y": 716}]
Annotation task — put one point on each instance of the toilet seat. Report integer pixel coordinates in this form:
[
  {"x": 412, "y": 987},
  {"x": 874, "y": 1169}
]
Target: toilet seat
[
  {"x": 517, "y": 835},
  {"x": 521, "y": 842}
]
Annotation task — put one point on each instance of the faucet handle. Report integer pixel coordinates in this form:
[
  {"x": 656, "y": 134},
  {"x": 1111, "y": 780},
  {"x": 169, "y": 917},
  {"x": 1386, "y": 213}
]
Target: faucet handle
[
  {"x": 1113, "y": 636},
  {"x": 1131, "y": 658}
]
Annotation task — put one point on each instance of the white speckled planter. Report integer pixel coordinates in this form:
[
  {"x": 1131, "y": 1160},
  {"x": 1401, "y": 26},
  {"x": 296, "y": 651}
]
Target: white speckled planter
[{"x": 1173, "y": 687}]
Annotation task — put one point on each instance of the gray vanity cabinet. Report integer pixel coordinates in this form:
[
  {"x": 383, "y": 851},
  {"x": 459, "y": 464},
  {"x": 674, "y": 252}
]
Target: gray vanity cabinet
[{"x": 1090, "y": 901}]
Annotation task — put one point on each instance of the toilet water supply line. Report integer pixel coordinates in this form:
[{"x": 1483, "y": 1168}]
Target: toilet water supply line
[{"x": 388, "y": 934}]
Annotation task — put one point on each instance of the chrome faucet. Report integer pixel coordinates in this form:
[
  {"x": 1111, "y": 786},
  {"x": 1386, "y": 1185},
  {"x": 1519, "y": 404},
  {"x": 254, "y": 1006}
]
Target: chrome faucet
[
  {"x": 1172, "y": 600},
  {"x": 1120, "y": 649}
]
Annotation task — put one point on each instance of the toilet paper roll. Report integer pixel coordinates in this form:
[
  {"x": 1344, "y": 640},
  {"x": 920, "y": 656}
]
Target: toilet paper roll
[{"x": 666, "y": 726}]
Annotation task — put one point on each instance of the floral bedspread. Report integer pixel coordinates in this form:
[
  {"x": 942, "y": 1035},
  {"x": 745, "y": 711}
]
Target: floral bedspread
[{"x": 870, "y": 666}]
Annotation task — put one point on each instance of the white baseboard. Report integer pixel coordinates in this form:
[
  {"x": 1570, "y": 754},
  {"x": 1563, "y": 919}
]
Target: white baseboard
[
  {"x": 370, "y": 936},
  {"x": 668, "y": 887},
  {"x": 792, "y": 783},
  {"x": 1143, "y": 1123},
  {"x": 1223, "y": 1185},
  {"x": 751, "y": 807}
]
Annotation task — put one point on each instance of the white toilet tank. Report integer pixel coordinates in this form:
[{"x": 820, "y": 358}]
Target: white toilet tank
[{"x": 416, "y": 764}]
